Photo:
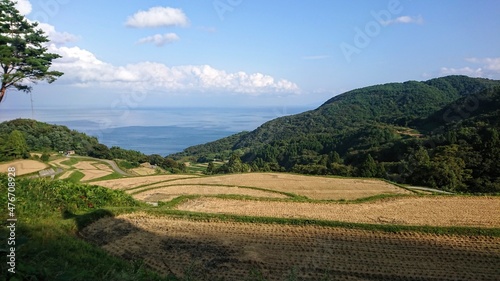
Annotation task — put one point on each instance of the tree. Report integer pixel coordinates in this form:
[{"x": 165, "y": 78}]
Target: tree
[
  {"x": 368, "y": 168},
  {"x": 16, "y": 146},
  {"x": 23, "y": 54}
]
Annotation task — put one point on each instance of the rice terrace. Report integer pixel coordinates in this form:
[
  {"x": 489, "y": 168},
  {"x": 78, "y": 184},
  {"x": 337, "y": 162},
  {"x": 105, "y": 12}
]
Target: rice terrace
[
  {"x": 249, "y": 140},
  {"x": 313, "y": 228},
  {"x": 275, "y": 226}
]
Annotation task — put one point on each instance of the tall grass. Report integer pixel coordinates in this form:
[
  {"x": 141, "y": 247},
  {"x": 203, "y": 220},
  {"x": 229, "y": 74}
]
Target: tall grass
[{"x": 49, "y": 214}]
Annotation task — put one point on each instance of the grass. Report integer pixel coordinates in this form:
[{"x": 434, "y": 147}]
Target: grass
[
  {"x": 47, "y": 247},
  {"x": 76, "y": 176},
  {"x": 51, "y": 213},
  {"x": 112, "y": 176},
  {"x": 71, "y": 161}
]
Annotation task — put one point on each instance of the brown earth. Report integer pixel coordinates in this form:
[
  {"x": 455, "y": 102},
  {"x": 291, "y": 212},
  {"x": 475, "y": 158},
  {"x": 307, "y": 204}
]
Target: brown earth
[
  {"x": 432, "y": 210},
  {"x": 238, "y": 251}
]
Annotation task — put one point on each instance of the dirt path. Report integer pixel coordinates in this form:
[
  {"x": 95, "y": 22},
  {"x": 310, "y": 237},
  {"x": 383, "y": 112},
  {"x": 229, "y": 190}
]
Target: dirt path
[{"x": 232, "y": 251}]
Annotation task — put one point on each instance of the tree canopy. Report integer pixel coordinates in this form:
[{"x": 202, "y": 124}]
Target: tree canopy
[
  {"x": 442, "y": 133},
  {"x": 24, "y": 59}
]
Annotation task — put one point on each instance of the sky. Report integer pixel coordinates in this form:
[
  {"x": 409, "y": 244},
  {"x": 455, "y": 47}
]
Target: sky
[{"x": 242, "y": 53}]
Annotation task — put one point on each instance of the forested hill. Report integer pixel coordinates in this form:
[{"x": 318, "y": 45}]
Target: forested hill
[{"x": 380, "y": 131}]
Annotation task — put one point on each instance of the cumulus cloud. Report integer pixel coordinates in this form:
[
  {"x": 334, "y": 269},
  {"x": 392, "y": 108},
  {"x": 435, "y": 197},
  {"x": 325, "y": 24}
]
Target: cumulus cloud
[
  {"x": 83, "y": 68},
  {"x": 405, "y": 20},
  {"x": 158, "y": 17},
  {"x": 160, "y": 39},
  {"x": 56, "y": 37},
  {"x": 23, "y": 6},
  {"x": 481, "y": 67}
]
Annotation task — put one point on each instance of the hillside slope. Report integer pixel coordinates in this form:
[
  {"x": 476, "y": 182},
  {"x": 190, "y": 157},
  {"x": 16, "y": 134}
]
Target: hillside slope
[{"x": 374, "y": 131}]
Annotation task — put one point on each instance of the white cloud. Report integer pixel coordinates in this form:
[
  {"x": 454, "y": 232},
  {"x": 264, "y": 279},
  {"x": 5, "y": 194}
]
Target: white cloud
[
  {"x": 472, "y": 72},
  {"x": 405, "y": 20},
  {"x": 160, "y": 39},
  {"x": 481, "y": 67},
  {"x": 23, "y": 6},
  {"x": 492, "y": 64},
  {"x": 158, "y": 17},
  {"x": 82, "y": 68},
  {"x": 56, "y": 37}
]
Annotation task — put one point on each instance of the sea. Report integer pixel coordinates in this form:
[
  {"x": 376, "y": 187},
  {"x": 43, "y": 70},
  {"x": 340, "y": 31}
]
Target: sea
[{"x": 162, "y": 131}]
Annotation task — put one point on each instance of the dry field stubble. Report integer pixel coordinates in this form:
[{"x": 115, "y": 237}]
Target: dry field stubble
[
  {"x": 231, "y": 251},
  {"x": 170, "y": 192},
  {"x": 23, "y": 167},
  {"x": 320, "y": 188},
  {"x": 92, "y": 170},
  {"x": 128, "y": 183},
  {"x": 432, "y": 210}
]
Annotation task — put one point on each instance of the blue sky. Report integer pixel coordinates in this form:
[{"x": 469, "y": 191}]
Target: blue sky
[{"x": 220, "y": 53}]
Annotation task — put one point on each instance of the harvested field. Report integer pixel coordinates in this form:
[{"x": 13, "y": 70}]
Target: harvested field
[
  {"x": 23, "y": 167},
  {"x": 321, "y": 188},
  {"x": 170, "y": 192},
  {"x": 129, "y": 183},
  {"x": 93, "y": 170},
  {"x": 232, "y": 251},
  {"x": 142, "y": 171},
  {"x": 435, "y": 211}
]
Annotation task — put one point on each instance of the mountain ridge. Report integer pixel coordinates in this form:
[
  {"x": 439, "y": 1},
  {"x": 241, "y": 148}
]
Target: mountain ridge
[{"x": 386, "y": 123}]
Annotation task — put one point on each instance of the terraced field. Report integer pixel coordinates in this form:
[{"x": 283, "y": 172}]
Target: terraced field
[
  {"x": 271, "y": 185},
  {"x": 214, "y": 250},
  {"x": 430, "y": 210},
  {"x": 211, "y": 233}
]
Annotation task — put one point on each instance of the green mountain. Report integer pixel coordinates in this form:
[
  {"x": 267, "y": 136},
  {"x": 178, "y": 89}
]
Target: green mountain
[
  {"x": 21, "y": 136},
  {"x": 378, "y": 131}
]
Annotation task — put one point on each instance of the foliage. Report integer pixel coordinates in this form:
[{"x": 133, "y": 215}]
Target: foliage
[
  {"x": 23, "y": 53},
  {"x": 47, "y": 246},
  {"x": 45, "y": 137},
  {"x": 14, "y": 147},
  {"x": 441, "y": 133}
]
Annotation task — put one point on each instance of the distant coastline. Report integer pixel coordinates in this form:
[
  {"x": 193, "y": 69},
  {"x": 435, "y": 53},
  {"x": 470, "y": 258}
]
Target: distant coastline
[{"x": 160, "y": 131}]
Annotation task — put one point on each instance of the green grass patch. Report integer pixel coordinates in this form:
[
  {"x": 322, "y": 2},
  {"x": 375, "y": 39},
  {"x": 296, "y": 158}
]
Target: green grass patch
[
  {"x": 71, "y": 161},
  {"x": 76, "y": 176},
  {"x": 112, "y": 176},
  {"x": 50, "y": 213}
]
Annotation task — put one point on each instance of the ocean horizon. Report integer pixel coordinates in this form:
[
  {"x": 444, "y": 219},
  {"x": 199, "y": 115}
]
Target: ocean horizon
[{"x": 162, "y": 131}]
